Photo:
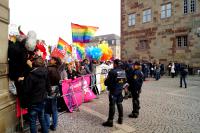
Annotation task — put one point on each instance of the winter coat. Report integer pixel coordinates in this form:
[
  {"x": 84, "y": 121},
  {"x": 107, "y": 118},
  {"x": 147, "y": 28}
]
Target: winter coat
[
  {"x": 183, "y": 70},
  {"x": 17, "y": 57},
  {"x": 54, "y": 75},
  {"x": 62, "y": 71},
  {"x": 37, "y": 85},
  {"x": 115, "y": 81}
]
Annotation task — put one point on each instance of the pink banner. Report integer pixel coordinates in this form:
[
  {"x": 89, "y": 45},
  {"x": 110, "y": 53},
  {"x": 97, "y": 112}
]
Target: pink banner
[
  {"x": 72, "y": 94},
  {"x": 88, "y": 93},
  {"x": 77, "y": 91}
]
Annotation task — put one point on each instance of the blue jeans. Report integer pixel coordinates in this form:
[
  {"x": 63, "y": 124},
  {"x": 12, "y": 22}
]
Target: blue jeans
[
  {"x": 157, "y": 77},
  {"x": 53, "y": 107},
  {"x": 37, "y": 110}
]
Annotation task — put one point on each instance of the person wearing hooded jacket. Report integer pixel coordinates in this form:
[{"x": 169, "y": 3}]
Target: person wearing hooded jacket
[{"x": 37, "y": 89}]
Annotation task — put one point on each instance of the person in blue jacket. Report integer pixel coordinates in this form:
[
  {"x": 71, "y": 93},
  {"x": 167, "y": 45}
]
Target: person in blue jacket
[
  {"x": 135, "y": 81},
  {"x": 115, "y": 81}
]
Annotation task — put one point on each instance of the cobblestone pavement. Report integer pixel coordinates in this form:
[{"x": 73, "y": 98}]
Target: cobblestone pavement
[{"x": 165, "y": 108}]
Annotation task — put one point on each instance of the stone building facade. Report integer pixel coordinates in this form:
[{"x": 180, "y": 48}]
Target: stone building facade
[
  {"x": 7, "y": 102},
  {"x": 163, "y": 30}
]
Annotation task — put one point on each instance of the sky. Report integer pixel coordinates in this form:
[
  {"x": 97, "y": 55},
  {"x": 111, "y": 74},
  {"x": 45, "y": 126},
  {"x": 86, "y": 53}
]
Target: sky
[{"x": 52, "y": 19}]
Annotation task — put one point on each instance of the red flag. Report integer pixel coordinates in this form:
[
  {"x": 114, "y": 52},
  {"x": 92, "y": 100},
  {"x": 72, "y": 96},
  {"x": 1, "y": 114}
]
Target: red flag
[{"x": 57, "y": 53}]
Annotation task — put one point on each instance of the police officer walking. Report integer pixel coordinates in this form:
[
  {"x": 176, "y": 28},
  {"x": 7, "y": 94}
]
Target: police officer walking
[
  {"x": 135, "y": 81},
  {"x": 115, "y": 80}
]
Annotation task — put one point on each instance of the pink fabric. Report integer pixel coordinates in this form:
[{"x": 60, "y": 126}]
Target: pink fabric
[
  {"x": 88, "y": 93},
  {"x": 73, "y": 95},
  {"x": 77, "y": 91},
  {"x": 20, "y": 111}
]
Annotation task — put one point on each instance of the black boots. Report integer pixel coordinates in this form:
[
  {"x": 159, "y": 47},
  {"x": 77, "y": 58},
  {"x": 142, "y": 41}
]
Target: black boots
[
  {"x": 120, "y": 121},
  {"x": 108, "y": 123},
  {"x": 133, "y": 116}
]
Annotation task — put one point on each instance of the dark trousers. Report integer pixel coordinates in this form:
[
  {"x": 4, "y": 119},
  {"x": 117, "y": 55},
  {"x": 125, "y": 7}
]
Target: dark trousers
[
  {"x": 182, "y": 78},
  {"x": 115, "y": 100},
  {"x": 173, "y": 74},
  {"x": 51, "y": 110},
  {"x": 136, "y": 101},
  {"x": 157, "y": 77},
  {"x": 37, "y": 110}
]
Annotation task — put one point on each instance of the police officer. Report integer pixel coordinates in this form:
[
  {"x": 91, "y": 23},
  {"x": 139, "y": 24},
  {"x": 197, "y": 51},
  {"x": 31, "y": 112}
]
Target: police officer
[
  {"x": 135, "y": 81},
  {"x": 115, "y": 80}
]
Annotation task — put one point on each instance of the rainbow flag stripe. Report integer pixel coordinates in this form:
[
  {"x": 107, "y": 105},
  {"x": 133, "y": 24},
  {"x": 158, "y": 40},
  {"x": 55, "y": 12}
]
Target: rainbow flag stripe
[
  {"x": 80, "y": 50},
  {"x": 82, "y": 33},
  {"x": 62, "y": 45}
]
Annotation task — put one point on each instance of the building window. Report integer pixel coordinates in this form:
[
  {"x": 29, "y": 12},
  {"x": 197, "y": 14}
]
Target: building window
[
  {"x": 193, "y": 6},
  {"x": 143, "y": 44},
  {"x": 189, "y": 6},
  {"x": 131, "y": 19},
  {"x": 147, "y": 15},
  {"x": 166, "y": 10},
  {"x": 113, "y": 41},
  {"x": 182, "y": 41},
  {"x": 185, "y": 6}
]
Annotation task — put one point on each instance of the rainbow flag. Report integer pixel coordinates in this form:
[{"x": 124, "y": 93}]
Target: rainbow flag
[
  {"x": 80, "y": 50},
  {"x": 62, "y": 45},
  {"x": 82, "y": 33}
]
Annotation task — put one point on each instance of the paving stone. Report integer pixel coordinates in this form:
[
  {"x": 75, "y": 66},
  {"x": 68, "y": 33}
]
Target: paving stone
[{"x": 165, "y": 108}]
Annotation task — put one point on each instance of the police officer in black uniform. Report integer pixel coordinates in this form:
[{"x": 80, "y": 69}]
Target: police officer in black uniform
[
  {"x": 115, "y": 80},
  {"x": 135, "y": 81}
]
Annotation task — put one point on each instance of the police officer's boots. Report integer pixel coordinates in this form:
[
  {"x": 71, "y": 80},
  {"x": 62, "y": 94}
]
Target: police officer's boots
[
  {"x": 120, "y": 120},
  {"x": 108, "y": 123}
]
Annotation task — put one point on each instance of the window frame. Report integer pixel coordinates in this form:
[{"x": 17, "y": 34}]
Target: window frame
[
  {"x": 189, "y": 6},
  {"x": 185, "y": 6},
  {"x": 182, "y": 41},
  {"x": 147, "y": 16},
  {"x": 193, "y": 6},
  {"x": 143, "y": 45},
  {"x": 131, "y": 19},
  {"x": 165, "y": 9}
]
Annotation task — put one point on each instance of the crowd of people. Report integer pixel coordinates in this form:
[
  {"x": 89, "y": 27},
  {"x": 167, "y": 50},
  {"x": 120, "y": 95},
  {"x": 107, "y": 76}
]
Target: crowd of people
[
  {"x": 43, "y": 79},
  {"x": 38, "y": 83}
]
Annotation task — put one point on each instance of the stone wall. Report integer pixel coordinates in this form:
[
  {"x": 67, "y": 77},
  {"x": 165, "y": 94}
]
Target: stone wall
[
  {"x": 7, "y": 102},
  {"x": 160, "y": 33}
]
